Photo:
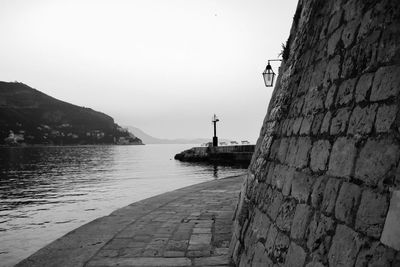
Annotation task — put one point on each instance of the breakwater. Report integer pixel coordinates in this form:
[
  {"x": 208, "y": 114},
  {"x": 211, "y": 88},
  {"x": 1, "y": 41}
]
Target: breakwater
[{"x": 236, "y": 155}]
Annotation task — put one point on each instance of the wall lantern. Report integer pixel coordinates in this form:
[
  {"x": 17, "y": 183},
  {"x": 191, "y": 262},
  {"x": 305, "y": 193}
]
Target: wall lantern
[{"x": 269, "y": 74}]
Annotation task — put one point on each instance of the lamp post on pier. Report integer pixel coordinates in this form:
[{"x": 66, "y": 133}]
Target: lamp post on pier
[{"x": 215, "y": 138}]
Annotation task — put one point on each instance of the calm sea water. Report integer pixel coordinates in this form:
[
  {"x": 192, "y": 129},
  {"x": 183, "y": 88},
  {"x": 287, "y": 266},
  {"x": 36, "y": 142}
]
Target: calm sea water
[{"x": 46, "y": 192}]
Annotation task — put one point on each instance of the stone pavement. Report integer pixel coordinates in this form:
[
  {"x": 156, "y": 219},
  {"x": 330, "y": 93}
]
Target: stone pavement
[{"x": 187, "y": 227}]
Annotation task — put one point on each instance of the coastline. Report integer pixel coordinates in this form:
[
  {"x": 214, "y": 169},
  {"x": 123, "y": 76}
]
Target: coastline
[{"x": 86, "y": 243}]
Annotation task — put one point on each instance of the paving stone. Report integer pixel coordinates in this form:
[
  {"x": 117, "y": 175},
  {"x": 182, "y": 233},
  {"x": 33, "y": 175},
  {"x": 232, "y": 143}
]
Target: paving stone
[
  {"x": 347, "y": 202},
  {"x": 296, "y": 256},
  {"x": 364, "y": 85},
  {"x": 342, "y": 157},
  {"x": 339, "y": 121},
  {"x": 174, "y": 254},
  {"x": 142, "y": 261},
  {"x": 385, "y": 117},
  {"x": 386, "y": 83},
  {"x": 345, "y": 246},
  {"x": 300, "y": 221},
  {"x": 330, "y": 194},
  {"x": 319, "y": 155},
  {"x": 391, "y": 231},
  {"x": 376, "y": 159},
  {"x": 371, "y": 214},
  {"x": 211, "y": 261},
  {"x": 362, "y": 120}
]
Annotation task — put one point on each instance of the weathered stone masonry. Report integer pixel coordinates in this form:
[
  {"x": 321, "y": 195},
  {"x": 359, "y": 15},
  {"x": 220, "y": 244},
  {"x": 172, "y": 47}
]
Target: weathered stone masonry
[{"x": 323, "y": 185}]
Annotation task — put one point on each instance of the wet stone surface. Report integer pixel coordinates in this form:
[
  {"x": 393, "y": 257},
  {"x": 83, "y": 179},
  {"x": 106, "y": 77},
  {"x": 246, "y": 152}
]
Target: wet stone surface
[{"x": 186, "y": 227}]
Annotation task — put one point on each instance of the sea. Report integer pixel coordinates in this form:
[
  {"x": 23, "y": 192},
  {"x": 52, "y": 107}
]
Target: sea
[{"x": 45, "y": 192}]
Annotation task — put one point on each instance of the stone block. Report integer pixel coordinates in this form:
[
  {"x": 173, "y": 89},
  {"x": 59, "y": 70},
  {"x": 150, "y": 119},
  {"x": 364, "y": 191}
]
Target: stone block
[
  {"x": 386, "y": 83},
  {"x": 335, "y": 21},
  {"x": 342, "y": 157},
  {"x": 282, "y": 149},
  {"x": 377, "y": 158},
  {"x": 296, "y": 125},
  {"x": 330, "y": 96},
  {"x": 330, "y": 195},
  {"x": 385, "y": 117},
  {"x": 260, "y": 257},
  {"x": 349, "y": 32},
  {"x": 301, "y": 220},
  {"x": 273, "y": 150},
  {"x": 333, "y": 41},
  {"x": 287, "y": 186},
  {"x": 286, "y": 214},
  {"x": 347, "y": 202},
  {"x": 269, "y": 243},
  {"x": 339, "y": 121},
  {"x": 326, "y": 122},
  {"x": 306, "y": 125},
  {"x": 279, "y": 176},
  {"x": 362, "y": 120},
  {"x": 319, "y": 155},
  {"x": 301, "y": 186},
  {"x": 389, "y": 43},
  {"x": 391, "y": 230},
  {"x": 332, "y": 71},
  {"x": 273, "y": 209},
  {"x": 318, "y": 191},
  {"x": 345, "y": 246},
  {"x": 345, "y": 92},
  {"x": 316, "y": 123},
  {"x": 314, "y": 100},
  {"x": 371, "y": 213},
  {"x": 364, "y": 84},
  {"x": 261, "y": 224},
  {"x": 280, "y": 247},
  {"x": 291, "y": 151},
  {"x": 296, "y": 256},
  {"x": 319, "y": 232},
  {"x": 375, "y": 254},
  {"x": 302, "y": 154}
]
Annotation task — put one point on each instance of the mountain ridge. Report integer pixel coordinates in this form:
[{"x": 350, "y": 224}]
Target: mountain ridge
[{"x": 30, "y": 116}]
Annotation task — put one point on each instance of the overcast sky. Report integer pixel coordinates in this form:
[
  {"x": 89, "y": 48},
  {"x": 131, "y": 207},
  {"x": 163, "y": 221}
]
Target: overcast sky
[{"x": 165, "y": 66}]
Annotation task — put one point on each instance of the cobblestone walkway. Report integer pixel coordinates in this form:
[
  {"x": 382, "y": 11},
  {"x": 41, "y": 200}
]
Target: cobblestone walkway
[{"x": 187, "y": 227}]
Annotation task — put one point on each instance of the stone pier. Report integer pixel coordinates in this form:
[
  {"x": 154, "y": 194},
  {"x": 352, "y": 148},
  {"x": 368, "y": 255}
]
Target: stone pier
[{"x": 187, "y": 227}]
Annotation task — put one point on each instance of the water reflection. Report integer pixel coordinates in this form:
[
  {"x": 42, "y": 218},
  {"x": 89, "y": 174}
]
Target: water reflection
[{"x": 46, "y": 192}]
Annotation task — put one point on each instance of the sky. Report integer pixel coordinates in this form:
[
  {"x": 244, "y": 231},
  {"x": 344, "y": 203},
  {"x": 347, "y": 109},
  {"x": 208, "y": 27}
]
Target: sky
[{"x": 164, "y": 66}]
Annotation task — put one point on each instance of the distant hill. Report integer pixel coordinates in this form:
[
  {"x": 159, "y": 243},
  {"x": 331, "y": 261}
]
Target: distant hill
[
  {"x": 148, "y": 139},
  {"x": 32, "y": 117}
]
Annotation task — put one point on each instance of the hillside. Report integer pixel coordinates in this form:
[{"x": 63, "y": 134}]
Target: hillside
[{"x": 32, "y": 117}]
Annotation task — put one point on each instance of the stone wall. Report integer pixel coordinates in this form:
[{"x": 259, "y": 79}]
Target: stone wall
[{"x": 323, "y": 184}]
